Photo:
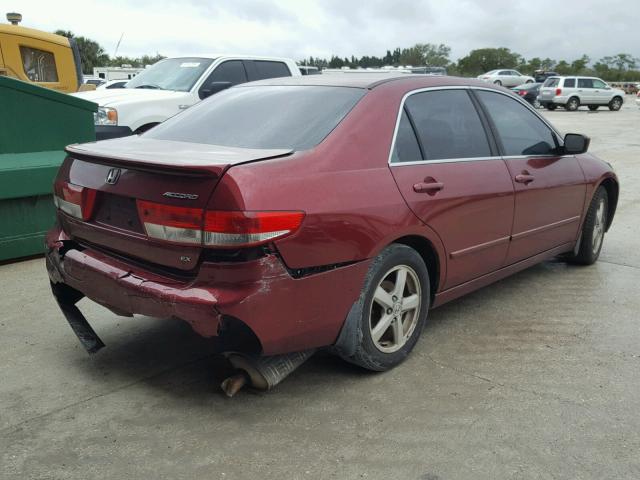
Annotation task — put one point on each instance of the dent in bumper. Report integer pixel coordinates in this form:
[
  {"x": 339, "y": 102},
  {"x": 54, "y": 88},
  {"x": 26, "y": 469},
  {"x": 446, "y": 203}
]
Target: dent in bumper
[{"x": 284, "y": 313}]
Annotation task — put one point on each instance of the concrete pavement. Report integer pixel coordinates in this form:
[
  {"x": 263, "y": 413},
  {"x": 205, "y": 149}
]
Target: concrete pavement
[{"x": 537, "y": 376}]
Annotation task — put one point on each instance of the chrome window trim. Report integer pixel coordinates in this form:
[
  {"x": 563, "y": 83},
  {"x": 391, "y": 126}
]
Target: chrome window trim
[{"x": 471, "y": 159}]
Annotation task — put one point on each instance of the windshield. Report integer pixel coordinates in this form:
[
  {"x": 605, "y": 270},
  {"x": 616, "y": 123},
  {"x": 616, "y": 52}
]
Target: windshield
[
  {"x": 171, "y": 74},
  {"x": 262, "y": 117}
]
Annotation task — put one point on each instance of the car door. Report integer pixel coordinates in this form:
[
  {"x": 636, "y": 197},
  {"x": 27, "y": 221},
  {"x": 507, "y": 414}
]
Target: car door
[
  {"x": 505, "y": 77},
  {"x": 549, "y": 188},
  {"x": 446, "y": 166},
  {"x": 227, "y": 74},
  {"x": 601, "y": 92},
  {"x": 585, "y": 91}
]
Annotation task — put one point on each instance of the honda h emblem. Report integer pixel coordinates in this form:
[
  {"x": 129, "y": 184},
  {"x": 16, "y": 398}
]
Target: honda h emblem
[{"x": 113, "y": 176}]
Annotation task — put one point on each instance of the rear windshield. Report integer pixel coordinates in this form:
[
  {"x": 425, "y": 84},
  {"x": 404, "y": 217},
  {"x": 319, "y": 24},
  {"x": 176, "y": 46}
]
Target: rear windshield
[
  {"x": 551, "y": 82},
  {"x": 291, "y": 117}
]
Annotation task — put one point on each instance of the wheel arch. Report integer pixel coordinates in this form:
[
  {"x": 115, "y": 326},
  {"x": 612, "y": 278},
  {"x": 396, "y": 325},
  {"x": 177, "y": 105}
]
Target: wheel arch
[{"x": 429, "y": 254}]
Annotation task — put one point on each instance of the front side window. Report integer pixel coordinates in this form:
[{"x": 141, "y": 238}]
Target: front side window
[
  {"x": 599, "y": 84},
  {"x": 291, "y": 117},
  {"x": 519, "y": 129},
  {"x": 569, "y": 82},
  {"x": 585, "y": 83},
  {"x": 39, "y": 66},
  {"x": 231, "y": 71},
  {"x": 447, "y": 125}
]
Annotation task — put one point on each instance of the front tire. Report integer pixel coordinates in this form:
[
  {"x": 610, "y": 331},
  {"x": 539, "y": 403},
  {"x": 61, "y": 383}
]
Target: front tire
[
  {"x": 392, "y": 309},
  {"x": 615, "y": 104},
  {"x": 593, "y": 229},
  {"x": 498, "y": 82},
  {"x": 572, "y": 104}
]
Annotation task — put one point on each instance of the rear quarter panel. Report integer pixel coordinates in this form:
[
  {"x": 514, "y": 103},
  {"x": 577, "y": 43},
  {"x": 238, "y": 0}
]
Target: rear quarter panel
[{"x": 352, "y": 204}]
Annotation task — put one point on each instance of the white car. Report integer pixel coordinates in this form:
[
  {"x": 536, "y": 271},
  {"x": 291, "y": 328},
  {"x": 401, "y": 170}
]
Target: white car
[
  {"x": 174, "y": 84},
  {"x": 112, "y": 84},
  {"x": 506, "y": 78},
  {"x": 575, "y": 92}
]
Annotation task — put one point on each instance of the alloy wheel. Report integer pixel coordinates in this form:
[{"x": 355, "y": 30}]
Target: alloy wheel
[
  {"x": 598, "y": 227},
  {"x": 395, "y": 309}
]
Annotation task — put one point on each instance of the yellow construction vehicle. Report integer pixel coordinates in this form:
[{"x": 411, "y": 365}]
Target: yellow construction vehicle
[{"x": 43, "y": 58}]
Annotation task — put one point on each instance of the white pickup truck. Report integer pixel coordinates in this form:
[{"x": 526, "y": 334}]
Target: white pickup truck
[{"x": 174, "y": 84}]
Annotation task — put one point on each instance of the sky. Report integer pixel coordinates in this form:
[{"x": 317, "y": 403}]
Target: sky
[{"x": 561, "y": 29}]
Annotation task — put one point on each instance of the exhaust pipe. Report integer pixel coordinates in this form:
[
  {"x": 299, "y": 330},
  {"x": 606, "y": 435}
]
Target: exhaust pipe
[{"x": 261, "y": 373}]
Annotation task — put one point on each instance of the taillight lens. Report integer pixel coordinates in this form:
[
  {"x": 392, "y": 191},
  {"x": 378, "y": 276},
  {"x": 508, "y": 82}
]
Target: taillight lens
[
  {"x": 74, "y": 200},
  {"x": 222, "y": 229},
  {"x": 522, "y": 93},
  {"x": 558, "y": 92},
  {"x": 232, "y": 229}
]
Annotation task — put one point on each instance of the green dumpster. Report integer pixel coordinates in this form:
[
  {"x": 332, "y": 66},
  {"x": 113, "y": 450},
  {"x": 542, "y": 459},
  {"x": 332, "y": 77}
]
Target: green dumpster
[{"x": 35, "y": 125}]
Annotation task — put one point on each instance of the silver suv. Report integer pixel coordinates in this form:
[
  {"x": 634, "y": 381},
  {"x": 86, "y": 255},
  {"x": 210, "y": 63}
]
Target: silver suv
[{"x": 574, "y": 92}]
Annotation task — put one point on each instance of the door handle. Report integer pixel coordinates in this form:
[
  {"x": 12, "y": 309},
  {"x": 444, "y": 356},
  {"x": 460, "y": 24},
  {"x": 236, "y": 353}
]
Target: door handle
[
  {"x": 428, "y": 187},
  {"x": 525, "y": 178}
]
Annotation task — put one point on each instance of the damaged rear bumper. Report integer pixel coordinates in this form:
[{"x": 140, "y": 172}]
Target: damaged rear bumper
[{"x": 285, "y": 314}]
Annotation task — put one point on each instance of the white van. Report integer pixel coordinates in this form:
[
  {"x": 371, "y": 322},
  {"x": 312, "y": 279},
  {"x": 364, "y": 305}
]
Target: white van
[
  {"x": 174, "y": 84},
  {"x": 574, "y": 92}
]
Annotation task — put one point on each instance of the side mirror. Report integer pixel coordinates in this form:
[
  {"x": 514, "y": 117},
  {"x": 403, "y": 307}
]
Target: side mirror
[
  {"x": 214, "y": 87},
  {"x": 574, "y": 143}
]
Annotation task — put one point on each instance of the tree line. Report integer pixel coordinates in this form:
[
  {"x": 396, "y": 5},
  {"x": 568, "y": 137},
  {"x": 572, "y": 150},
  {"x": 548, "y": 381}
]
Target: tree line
[{"x": 619, "y": 67}]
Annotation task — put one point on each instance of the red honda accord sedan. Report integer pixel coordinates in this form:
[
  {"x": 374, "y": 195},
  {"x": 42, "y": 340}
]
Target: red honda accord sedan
[{"x": 325, "y": 211}]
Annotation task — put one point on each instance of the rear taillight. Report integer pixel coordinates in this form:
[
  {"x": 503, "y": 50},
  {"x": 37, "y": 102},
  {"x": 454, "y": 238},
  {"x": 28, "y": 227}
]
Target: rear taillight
[
  {"x": 232, "y": 229},
  {"x": 222, "y": 229},
  {"x": 522, "y": 93},
  {"x": 74, "y": 200},
  {"x": 558, "y": 92}
]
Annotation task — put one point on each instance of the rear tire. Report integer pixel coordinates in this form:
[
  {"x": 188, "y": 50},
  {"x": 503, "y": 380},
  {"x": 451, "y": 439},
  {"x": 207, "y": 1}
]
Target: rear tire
[
  {"x": 593, "y": 229},
  {"x": 498, "y": 82},
  {"x": 572, "y": 104},
  {"x": 615, "y": 104},
  {"x": 593, "y": 108},
  {"x": 392, "y": 308}
]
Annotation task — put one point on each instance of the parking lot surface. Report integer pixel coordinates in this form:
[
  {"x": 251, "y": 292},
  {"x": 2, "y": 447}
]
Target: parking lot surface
[{"x": 537, "y": 376}]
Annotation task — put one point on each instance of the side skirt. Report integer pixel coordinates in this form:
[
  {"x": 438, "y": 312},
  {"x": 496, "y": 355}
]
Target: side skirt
[{"x": 460, "y": 290}]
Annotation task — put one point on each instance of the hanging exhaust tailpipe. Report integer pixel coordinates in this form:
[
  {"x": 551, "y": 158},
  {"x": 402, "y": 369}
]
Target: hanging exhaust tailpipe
[{"x": 261, "y": 373}]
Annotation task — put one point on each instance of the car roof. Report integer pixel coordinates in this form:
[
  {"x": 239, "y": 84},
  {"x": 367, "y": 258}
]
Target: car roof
[
  {"x": 369, "y": 80},
  {"x": 214, "y": 56}
]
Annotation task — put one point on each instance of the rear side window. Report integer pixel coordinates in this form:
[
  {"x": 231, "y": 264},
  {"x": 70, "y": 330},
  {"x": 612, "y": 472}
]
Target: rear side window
[
  {"x": 569, "y": 82},
  {"x": 39, "y": 66},
  {"x": 519, "y": 129},
  {"x": 292, "y": 117},
  {"x": 266, "y": 69},
  {"x": 447, "y": 125},
  {"x": 406, "y": 147},
  {"x": 585, "y": 83}
]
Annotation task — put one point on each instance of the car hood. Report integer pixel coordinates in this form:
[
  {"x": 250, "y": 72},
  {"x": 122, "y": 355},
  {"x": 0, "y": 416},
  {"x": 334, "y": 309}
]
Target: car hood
[{"x": 113, "y": 96}]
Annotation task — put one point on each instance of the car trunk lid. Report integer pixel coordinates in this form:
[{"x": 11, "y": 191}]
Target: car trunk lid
[{"x": 125, "y": 172}]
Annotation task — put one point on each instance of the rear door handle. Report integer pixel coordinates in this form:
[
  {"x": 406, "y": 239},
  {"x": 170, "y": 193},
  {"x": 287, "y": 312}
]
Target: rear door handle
[
  {"x": 424, "y": 187},
  {"x": 524, "y": 178}
]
